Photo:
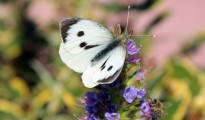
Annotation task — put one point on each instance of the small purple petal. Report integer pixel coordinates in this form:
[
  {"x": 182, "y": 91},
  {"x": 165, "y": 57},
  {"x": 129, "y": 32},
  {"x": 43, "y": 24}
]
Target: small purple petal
[
  {"x": 140, "y": 75},
  {"x": 145, "y": 109},
  {"x": 141, "y": 93},
  {"x": 112, "y": 116},
  {"x": 131, "y": 47},
  {"x": 130, "y": 93},
  {"x": 132, "y": 59}
]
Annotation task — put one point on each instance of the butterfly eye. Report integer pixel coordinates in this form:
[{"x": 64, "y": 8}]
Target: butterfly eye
[{"x": 80, "y": 33}]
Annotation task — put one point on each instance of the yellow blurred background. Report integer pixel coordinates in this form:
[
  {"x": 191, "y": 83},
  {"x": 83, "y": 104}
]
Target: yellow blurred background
[{"x": 36, "y": 85}]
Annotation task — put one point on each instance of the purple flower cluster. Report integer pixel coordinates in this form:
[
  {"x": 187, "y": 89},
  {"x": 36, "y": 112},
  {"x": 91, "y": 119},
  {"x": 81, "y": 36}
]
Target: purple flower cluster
[
  {"x": 98, "y": 105},
  {"x": 131, "y": 93},
  {"x": 132, "y": 51}
]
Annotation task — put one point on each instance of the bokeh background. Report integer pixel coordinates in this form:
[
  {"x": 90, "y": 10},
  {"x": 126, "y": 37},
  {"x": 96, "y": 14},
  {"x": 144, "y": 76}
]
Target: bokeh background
[{"x": 36, "y": 85}]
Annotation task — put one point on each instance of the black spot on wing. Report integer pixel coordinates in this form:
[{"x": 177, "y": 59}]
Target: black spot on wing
[
  {"x": 102, "y": 68},
  {"x": 90, "y": 46},
  {"x": 110, "y": 68},
  {"x": 103, "y": 65},
  {"x": 65, "y": 26},
  {"x": 80, "y": 33},
  {"x": 83, "y": 44}
]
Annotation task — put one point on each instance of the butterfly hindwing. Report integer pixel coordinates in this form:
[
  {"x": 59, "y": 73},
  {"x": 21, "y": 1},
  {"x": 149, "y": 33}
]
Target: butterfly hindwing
[{"x": 106, "y": 70}]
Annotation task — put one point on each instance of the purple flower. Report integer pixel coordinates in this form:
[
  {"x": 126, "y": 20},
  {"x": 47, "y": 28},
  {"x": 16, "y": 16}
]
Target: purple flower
[
  {"x": 130, "y": 93},
  {"x": 141, "y": 93},
  {"x": 140, "y": 75},
  {"x": 103, "y": 96},
  {"x": 111, "y": 108},
  {"x": 91, "y": 103},
  {"x": 132, "y": 59},
  {"x": 91, "y": 98},
  {"x": 131, "y": 47},
  {"x": 112, "y": 116},
  {"x": 97, "y": 103},
  {"x": 91, "y": 110},
  {"x": 145, "y": 109}
]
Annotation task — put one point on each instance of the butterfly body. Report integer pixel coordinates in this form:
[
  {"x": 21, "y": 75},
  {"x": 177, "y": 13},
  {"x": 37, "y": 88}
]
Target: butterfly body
[
  {"x": 91, "y": 49},
  {"x": 106, "y": 50}
]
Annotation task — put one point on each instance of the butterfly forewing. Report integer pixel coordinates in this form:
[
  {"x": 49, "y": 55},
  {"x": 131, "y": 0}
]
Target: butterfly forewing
[
  {"x": 83, "y": 35},
  {"x": 82, "y": 40},
  {"x": 78, "y": 62}
]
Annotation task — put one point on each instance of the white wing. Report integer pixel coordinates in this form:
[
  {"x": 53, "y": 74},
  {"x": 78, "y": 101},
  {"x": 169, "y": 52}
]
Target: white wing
[
  {"x": 82, "y": 40},
  {"x": 106, "y": 70}
]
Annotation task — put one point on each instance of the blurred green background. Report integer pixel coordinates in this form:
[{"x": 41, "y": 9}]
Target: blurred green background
[{"x": 36, "y": 85}]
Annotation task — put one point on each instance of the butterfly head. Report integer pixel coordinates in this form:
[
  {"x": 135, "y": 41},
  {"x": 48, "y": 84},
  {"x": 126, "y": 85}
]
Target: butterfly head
[
  {"x": 122, "y": 36},
  {"x": 126, "y": 35}
]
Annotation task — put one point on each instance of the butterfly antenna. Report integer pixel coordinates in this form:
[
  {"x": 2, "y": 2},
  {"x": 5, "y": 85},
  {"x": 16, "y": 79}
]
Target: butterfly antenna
[{"x": 128, "y": 15}]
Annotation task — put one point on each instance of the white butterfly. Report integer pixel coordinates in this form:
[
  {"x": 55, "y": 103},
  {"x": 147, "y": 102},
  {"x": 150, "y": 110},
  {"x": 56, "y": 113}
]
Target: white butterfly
[{"x": 91, "y": 49}]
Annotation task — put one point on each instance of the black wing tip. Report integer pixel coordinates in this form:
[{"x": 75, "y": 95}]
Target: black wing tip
[
  {"x": 65, "y": 24},
  {"x": 66, "y": 21}
]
